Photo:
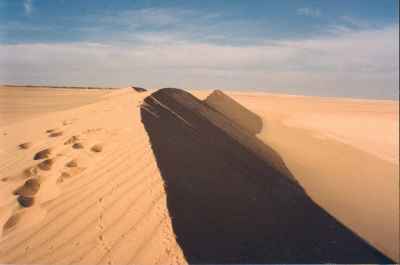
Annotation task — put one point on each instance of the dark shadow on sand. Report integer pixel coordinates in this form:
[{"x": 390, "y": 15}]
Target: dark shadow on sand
[{"x": 229, "y": 206}]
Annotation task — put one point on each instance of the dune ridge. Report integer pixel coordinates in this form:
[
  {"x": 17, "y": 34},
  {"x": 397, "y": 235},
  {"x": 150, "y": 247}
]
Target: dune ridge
[
  {"x": 244, "y": 210},
  {"x": 103, "y": 203},
  {"x": 135, "y": 178},
  {"x": 358, "y": 183}
]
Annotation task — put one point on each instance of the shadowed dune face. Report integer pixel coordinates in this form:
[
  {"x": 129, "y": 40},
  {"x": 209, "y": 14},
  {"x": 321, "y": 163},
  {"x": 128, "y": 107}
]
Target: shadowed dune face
[
  {"x": 139, "y": 89},
  {"x": 236, "y": 112},
  {"x": 227, "y": 205}
]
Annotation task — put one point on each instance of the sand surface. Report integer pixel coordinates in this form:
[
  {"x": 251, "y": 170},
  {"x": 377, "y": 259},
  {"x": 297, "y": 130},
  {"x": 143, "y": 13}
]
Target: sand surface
[
  {"x": 20, "y": 103},
  {"x": 108, "y": 209},
  {"x": 107, "y": 195},
  {"x": 345, "y": 154}
]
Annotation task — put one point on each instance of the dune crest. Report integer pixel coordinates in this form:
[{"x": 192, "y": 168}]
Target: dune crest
[
  {"x": 234, "y": 111},
  {"x": 162, "y": 178},
  {"x": 226, "y": 203},
  {"x": 100, "y": 200},
  {"x": 243, "y": 125}
]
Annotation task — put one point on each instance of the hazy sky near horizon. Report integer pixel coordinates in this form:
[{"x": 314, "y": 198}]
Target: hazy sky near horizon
[{"x": 325, "y": 48}]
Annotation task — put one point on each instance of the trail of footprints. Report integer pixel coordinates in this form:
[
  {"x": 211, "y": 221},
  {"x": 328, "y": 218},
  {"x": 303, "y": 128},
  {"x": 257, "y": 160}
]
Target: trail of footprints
[{"x": 55, "y": 166}]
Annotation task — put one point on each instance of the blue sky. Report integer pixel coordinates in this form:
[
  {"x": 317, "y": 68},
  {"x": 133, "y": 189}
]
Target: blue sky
[{"x": 327, "y": 48}]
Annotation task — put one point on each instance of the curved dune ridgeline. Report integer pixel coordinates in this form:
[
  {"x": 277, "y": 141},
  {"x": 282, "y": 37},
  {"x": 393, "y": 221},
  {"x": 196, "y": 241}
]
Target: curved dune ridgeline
[
  {"x": 227, "y": 203},
  {"x": 120, "y": 177}
]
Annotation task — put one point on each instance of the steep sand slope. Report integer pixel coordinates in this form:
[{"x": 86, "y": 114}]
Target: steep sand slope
[
  {"x": 344, "y": 152},
  {"x": 106, "y": 207},
  {"x": 105, "y": 193},
  {"x": 227, "y": 204}
]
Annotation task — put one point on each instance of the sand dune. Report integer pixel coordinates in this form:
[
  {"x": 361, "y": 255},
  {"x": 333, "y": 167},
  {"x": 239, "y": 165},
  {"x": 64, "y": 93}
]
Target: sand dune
[
  {"x": 103, "y": 203},
  {"x": 120, "y": 177},
  {"x": 240, "y": 205},
  {"x": 346, "y": 159}
]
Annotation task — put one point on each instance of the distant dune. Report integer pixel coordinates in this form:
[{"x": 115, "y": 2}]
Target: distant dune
[
  {"x": 65, "y": 87},
  {"x": 19, "y": 103},
  {"x": 120, "y": 177}
]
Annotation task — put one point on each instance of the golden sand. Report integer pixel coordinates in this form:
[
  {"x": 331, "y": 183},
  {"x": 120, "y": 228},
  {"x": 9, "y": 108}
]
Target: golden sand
[{"x": 107, "y": 201}]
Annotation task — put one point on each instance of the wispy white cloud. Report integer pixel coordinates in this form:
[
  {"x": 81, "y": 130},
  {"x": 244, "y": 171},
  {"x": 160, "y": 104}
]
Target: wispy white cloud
[
  {"x": 167, "y": 24},
  {"x": 28, "y": 6},
  {"x": 348, "y": 63},
  {"x": 163, "y": 25},
  {"x": 188, "y": 48},
  {"x": 309, "y": 12}
]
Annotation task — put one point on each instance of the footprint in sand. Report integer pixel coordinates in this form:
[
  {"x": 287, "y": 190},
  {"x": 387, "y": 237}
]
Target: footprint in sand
[
  {"x": 26, "y": 201},
  {"x": 42, "y": 154},
  {"x": 56, "y": 134},
  {"x": 51, "y": 130},
  {"x": 97, "y": 148},
  {"x": 25, "y": 145},
  {"x": 29, "y": 189},
  {"x": 30, "y": 172},
  {"x": 72, "y": 163},
  {"x": 11, "y": 222},
  {"x": 77, "y": 146},
  {"x": 46, "y": 164},
  {"x": 73, "y": 139},
  {"x": 22, "y": 218},
  {"x": 71, "y": 172},
  {"x": 64, "y": 175},
  {"x": 72, "y": 169},
  {"x": 67, "y": 122}
]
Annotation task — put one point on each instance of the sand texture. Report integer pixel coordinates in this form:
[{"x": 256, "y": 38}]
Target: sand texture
[{"x": 121, "y": 177}]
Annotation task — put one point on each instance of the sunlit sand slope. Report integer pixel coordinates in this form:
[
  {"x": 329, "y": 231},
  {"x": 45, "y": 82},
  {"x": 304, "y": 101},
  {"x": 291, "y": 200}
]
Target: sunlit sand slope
[
  {"x": 95, "y": 194},
  {"x": 100, "y": 177}
]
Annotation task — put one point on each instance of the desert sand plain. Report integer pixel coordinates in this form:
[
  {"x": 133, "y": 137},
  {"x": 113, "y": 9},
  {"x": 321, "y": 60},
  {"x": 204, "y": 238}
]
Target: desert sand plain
[{"x": 91, "y": 177}]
